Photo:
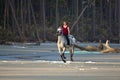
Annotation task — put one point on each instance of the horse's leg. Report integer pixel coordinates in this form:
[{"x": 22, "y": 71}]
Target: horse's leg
[
  {"x": 63, "y": 58},
  {"x": 71, "y": 54},
  {"x": 61, "y": 54},
  {"x": 64, "y": 55}
]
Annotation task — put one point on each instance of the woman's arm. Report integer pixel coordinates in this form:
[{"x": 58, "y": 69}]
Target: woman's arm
[{"x": 68, "y": 30}]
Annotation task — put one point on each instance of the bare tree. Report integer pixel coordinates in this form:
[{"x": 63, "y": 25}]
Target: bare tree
[
  {"x": 44, "y": 25},
  {"x": 94, "y": 18},
  {"x": 29, "y": 15},
  {"x": 76, "y": 15},
  {"x": 101, "y": 13},
  {"x": 79, "y": 16},
  {"x": 22, "y": 15},
  {"x": 110, "y": 18},
  {"x": 34, "y": 19},
  {"x": 5, "y": 15},
  {"x": 119, "y": 21},
  {"x": 57, "y": 13},
  {"x": 82, "y": 20},
  {"x": 16, "y": 21}
]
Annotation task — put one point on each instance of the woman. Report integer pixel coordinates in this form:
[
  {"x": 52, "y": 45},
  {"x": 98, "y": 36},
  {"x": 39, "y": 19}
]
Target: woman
[{"x": 66, "y": 31}]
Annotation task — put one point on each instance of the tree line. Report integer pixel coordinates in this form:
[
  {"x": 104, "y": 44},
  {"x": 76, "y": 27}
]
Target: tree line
[{"x": 37, "y": 20}]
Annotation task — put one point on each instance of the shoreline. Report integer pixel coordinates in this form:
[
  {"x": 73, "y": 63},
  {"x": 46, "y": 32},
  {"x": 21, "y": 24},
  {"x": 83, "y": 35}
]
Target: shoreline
[{"x": 55, "y": 62}]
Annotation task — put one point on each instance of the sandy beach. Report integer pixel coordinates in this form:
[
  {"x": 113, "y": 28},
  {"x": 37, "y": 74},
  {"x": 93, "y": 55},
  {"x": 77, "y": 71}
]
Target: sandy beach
[
  {"x": 43, "y": 63},
  {"x": 57, "y": 70}
]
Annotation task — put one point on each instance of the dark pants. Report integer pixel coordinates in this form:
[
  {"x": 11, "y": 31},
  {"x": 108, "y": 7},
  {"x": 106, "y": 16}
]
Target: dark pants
[{"x": 67, "y": 38}]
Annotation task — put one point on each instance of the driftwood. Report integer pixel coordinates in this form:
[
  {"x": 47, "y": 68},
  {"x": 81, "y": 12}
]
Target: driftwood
[
  {"x": 104, "y": 48},
  {"x": 108, "y": 49}
]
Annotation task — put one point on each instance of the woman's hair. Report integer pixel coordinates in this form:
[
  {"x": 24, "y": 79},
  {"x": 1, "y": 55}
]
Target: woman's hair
[{"x": 65, "y": 22}]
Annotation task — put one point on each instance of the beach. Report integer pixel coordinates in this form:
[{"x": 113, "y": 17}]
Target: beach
[
  {"x": 43, "y": 63},
  {"x": 54, "y": 70}
]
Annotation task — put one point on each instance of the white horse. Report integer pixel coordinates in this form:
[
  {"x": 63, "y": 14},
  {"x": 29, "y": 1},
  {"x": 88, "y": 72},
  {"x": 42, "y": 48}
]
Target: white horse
[{"x": 62, "y": 45}]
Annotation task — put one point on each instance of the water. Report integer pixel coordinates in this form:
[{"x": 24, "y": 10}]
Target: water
[{"x": 48, "y": 52}]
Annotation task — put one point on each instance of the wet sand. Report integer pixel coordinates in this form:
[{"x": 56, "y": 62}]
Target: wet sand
[{"x": 57, "y": 70}]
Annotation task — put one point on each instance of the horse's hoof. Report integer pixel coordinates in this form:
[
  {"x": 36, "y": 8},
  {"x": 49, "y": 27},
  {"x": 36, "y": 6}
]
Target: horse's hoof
[
  {"x": 71, "y": 60},
  {"x": 64, "y": 61}
]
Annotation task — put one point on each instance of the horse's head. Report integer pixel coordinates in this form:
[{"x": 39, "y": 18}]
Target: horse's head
[{"x": 59, "y": 31}]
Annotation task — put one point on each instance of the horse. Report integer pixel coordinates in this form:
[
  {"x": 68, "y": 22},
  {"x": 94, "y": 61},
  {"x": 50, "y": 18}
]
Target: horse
[{"x": 62, "y": 45}]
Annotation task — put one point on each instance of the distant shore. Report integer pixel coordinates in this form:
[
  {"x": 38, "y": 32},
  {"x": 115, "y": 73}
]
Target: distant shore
[{"x": 3, "y": 42}]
